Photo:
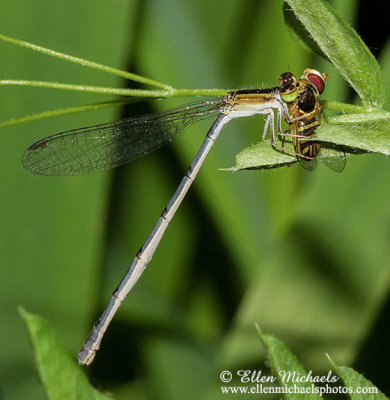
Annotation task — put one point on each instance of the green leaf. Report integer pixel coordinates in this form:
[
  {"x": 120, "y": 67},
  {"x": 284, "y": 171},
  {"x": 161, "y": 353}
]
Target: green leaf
[
  {"x": 368, "y": 131},
  {"x": 261, "y": 155},
  {"x": 353, "y": 380},
  {"x": 342, "y": 46},
  {"x": 61, "y": 377},
  {"x": 287, "y": 369},
  {"x": 299, "y": 32}
]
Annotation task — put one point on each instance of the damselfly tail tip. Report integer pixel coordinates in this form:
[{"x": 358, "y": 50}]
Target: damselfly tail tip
[{"x": 86, "y": 356}]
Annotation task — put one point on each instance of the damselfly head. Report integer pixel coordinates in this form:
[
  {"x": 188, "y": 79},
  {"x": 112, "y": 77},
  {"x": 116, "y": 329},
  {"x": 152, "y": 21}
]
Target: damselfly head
[
  {"x": 287, "y": 79},
  {"x": 288, "y": 87},
  {"x": 315, "y": 78}
]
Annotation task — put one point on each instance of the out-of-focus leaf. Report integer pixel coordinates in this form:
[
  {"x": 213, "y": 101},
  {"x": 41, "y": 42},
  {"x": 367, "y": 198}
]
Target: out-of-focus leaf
[
  {"x": 357, "y": 383},
  {"x": 342, "y": 46},
  {"x": 61, "y": 377},
  {"x": 286, "y": 368}
]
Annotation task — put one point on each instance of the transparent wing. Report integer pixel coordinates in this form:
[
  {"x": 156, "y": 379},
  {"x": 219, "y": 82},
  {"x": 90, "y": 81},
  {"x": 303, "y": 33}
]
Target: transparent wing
[
  {"x": 333, "y": 158},
  {"x": 309, "y": 165},
  {"x": 99, "y": 147}
]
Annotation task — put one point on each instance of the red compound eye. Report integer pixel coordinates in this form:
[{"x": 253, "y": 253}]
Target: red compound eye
[{"x": 317, "y": 81}]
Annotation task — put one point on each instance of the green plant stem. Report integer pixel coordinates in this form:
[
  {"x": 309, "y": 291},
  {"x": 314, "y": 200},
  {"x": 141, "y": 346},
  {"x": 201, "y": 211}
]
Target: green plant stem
[
  {"x": 62, "y": 111},
  {"x": 86, "y": 63},
  {"x": 116, "y": 91},
  {"x": 199, "y": 92},
  {"x": 87, "y": 88}
]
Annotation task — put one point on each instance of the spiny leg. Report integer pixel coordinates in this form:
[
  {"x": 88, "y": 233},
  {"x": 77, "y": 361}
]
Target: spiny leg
[
  {"x": 265, "y": 130},
  {"x": 271, "y": 123},
  {"x": 273, "y": 140},
  {"x": 284, "y": 134},
  {"x": 285, "y": 150}
]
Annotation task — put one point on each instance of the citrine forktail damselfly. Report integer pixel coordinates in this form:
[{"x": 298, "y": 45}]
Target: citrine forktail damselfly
[{"x": 99, "y": 147}]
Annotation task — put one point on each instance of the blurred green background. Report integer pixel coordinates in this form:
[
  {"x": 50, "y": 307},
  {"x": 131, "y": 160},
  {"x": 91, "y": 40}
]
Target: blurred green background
[{"x": 305, "y": 255}]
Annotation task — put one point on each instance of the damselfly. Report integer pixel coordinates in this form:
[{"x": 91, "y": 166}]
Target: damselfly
[{"x": 100, "y": 147}]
